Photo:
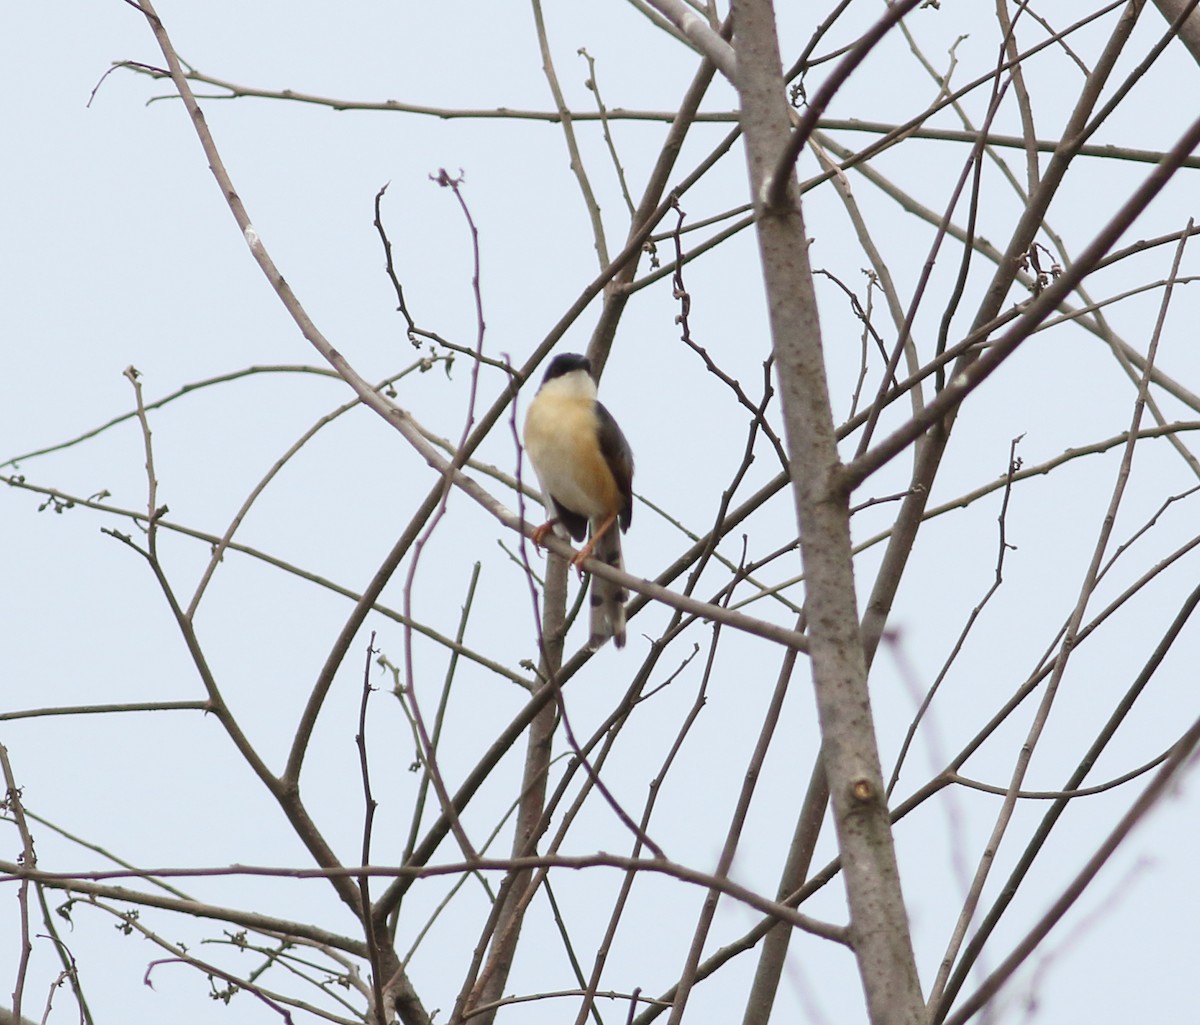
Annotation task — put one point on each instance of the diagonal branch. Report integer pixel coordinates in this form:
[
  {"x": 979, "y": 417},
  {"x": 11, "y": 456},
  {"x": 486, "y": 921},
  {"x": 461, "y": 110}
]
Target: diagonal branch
[{"x": 700, "y": 34}]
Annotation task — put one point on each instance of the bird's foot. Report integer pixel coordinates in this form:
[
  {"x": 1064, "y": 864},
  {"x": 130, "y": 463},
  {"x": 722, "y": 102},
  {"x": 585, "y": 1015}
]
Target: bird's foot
[
  {"x": 539, "y": 533},
  {"x": 581, "y": 556}
]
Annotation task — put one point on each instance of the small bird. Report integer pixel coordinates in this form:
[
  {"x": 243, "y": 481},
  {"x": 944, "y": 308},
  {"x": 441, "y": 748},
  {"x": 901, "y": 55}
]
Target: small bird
[{"x": 585, "y": 468}]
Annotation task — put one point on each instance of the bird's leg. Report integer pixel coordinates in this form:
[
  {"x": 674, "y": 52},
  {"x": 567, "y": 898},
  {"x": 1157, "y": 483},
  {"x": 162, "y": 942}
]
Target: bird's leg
[
  {"x": 585, "y": 552},
  {"x": 539, "y": 533}
]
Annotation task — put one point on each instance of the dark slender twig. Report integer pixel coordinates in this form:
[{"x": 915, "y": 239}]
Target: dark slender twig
[
  {"x": 70, "y": 971},
  {"x": 598, "y": 783},
  {"x": 1056, "y": 795},
  {"x": 684, "y": 299},
  {"x": 369, "y": 806},
  {"x": 388, "y": 266},
  {"x": 213, "y": 970}
]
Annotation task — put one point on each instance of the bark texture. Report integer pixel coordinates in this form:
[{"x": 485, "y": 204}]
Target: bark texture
[{"x": 878, "y": 919}]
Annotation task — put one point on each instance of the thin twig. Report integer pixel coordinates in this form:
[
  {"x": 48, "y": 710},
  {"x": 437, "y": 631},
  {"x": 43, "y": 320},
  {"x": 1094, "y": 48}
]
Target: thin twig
[
  {"x": 369, "y": 806},
  {"x": 580, "y": 172},
  {"x": 1182, "y": 757},
  {"x": 750, "y": 778},
  {"x": 684, "y": 298},
  {"x": 594, "y": 86},
  {"x": 444, "y": 180},
  {"x": 222, "y": 546},
  {"x": 153, "y": 511},
  {"x": 965, "y": 382},
  {"x": 187, "y": 389},
  {"x": 11, "y": 871},
  {"x": 12, "y": 803},
  {"x": 1060, "y": 663},
  {"x": 1014, "y": 464}
]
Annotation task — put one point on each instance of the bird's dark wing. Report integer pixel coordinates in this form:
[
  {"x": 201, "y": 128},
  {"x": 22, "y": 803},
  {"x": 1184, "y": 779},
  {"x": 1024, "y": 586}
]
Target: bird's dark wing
[{"x": 619, "y": 456}]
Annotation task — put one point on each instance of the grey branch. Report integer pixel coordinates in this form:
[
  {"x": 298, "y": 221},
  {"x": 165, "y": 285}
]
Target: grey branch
[{"x": 700, "y": 34}]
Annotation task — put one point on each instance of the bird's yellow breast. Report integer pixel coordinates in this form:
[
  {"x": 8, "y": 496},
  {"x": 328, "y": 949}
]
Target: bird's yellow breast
[{"x": 563, "y": 443}]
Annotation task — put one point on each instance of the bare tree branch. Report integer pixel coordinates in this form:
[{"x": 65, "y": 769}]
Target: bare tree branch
[{"x": 878, "y": 920}]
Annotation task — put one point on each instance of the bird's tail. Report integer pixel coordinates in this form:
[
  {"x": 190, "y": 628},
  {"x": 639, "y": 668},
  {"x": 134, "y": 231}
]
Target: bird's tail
[{"x": 608, "y": 599}]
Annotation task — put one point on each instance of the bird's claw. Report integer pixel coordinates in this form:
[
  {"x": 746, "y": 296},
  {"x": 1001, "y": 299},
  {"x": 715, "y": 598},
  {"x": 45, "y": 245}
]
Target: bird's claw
[
  {"x": 539, "y": 534},
  {"x": 577, "y": 560},
  {"x": 580, "y": 557}
]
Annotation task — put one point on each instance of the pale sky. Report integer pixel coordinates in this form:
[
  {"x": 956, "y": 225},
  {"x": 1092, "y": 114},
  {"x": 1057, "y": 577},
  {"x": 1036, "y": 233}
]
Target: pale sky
[{"x": 120, "y": 251}]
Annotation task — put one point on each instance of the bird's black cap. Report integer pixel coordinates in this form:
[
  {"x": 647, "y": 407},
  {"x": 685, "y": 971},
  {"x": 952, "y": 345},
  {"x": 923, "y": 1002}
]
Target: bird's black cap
[{"x": 565, "y": 363}]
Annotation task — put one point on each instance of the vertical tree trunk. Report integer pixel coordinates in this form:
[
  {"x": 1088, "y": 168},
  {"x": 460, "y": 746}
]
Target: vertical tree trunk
[{"x": 878, "y": 918}]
